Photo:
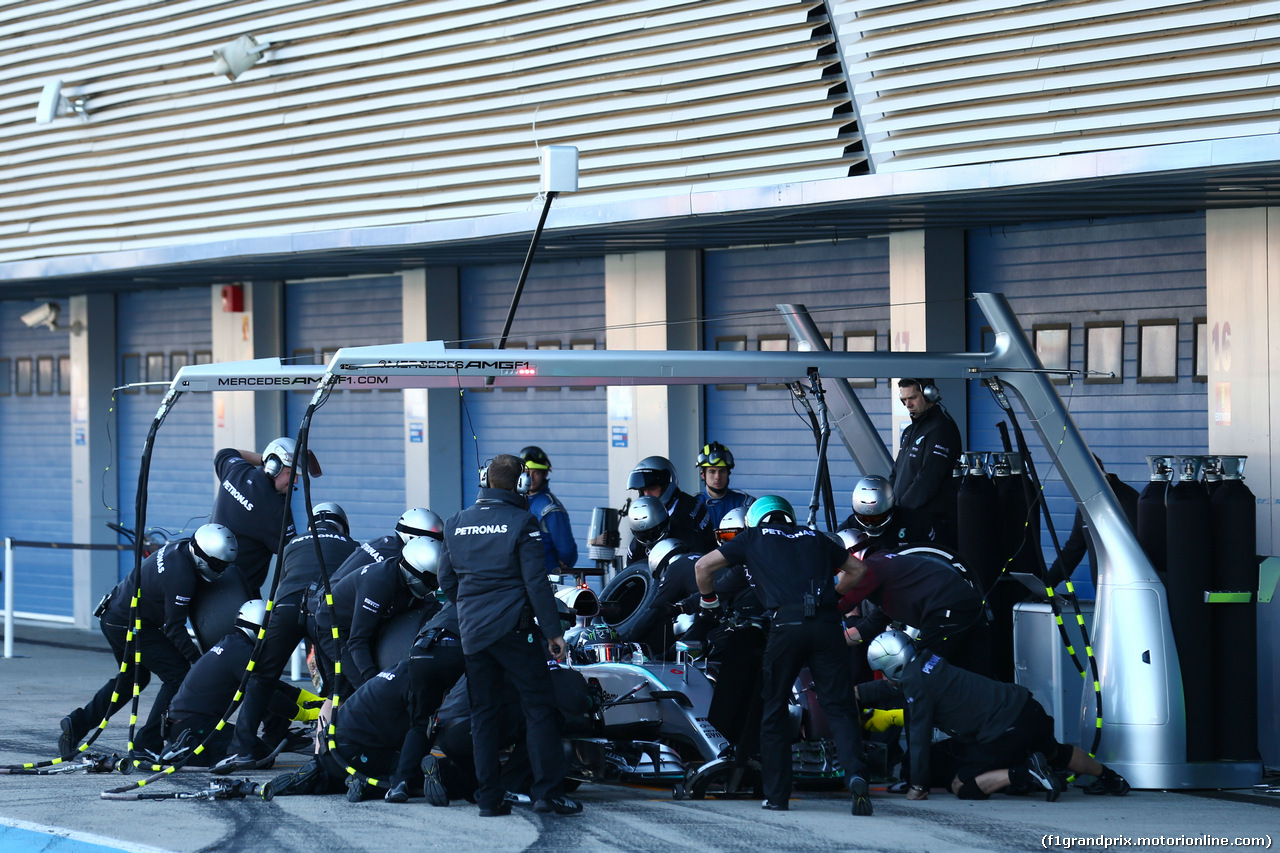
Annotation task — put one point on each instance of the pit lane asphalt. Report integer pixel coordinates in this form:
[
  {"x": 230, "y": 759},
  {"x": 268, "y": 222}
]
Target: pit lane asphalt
[{"x": 57, "y": 669}]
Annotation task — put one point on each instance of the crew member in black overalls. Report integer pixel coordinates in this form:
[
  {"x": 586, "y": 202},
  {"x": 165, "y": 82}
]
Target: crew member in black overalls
[
  {"x": 252, "y": 501},
  {"x": 494, "y": 569},
  {"x": 435, "y": 665},
  {"x": 673, "y": 570},
  {"x": 876, "y": 512},
  {"x": 417, "y": 521},
  {"x": 656, "y": 477},
  {"x": 369, "y": 727},
  {"x": 206, "y": 693},
  {"x": 928, "y": 449},
  {"x": 1000, "y": 733},
  {"x": 371, "y": 724},
  {"x": 922, "y": 591},
  {"x": 169, "y": 582},
  {"x": 363, "y": 602},
  {"x": 792, "y": 570},
  {"x": 299, "y": 568}
]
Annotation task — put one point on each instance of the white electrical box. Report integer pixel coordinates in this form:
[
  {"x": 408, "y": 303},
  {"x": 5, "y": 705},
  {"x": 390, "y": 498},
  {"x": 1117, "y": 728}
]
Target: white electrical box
[
  {"x": 559, "y": 169},
  {"x": 1042, "y": 665}
]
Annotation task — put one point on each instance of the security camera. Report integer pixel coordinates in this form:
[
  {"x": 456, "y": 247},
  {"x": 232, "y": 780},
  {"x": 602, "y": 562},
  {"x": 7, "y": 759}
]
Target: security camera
[{"x": 42, "y": 315}]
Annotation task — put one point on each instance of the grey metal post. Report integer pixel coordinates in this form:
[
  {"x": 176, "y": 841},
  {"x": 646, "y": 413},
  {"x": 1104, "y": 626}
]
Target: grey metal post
[
  {"x": 1144, "y": 723},
  {"x": 8, "y": 597},
  {"x": 851, "y": 420}
]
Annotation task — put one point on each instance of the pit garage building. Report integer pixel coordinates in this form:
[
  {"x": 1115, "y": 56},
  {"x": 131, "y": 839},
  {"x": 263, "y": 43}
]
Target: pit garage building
[{"x": 368, "y": 172}]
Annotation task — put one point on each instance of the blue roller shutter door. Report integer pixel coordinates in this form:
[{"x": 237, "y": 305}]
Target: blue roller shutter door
[
  {"x": 35, "y": 467},
  {"x": 1126, "y": 271},
  {"x": 562, "y": 305},
  {"x": 845, "y": 286},
  {"x": 156, "y": 330},
  {"x": 358, "y": 434}
]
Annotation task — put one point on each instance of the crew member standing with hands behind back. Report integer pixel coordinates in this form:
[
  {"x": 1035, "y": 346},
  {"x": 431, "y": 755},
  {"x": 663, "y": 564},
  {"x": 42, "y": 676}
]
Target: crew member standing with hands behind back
[
  {"x": 494, "y": 569},
  {"x": 927, "y": 452}
]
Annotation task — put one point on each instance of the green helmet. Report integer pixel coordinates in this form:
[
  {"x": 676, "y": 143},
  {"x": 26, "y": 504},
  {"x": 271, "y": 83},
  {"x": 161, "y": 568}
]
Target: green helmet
[{"x": 766, "y": 508}]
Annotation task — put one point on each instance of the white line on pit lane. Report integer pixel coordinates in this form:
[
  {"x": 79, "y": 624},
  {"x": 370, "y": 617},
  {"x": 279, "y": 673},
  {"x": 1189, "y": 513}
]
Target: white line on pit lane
[{"x": 15, "y": 835}]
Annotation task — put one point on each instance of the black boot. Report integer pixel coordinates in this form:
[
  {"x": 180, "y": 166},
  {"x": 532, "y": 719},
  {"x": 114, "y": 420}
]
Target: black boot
[
  {"x": 304, "y": 780},
  {"x": 1110, "y": 782},
  {"x": 69, "y": 740},
  {"x": 356, "y": 789}
]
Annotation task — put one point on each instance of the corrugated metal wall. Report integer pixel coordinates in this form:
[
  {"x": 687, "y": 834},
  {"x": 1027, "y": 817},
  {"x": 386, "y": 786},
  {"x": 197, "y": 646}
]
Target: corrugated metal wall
[
  {"x": 1125, "y": 270},
  {"x": 155, "y": 329},
  {"x": 357, "y": 434},
  {"x": 562, "y": 307},
  {"x": 377, "y": 112},
  {"x": 35, "y": 460},
  {"x": 846, "y": 289},
  {"x": 943, "y": 82}
]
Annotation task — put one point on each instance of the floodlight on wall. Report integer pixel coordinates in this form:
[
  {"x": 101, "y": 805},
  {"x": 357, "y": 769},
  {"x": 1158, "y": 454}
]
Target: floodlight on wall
[
  {"x": 54, "y": 104},
  {"x": 237, "y": 57}
]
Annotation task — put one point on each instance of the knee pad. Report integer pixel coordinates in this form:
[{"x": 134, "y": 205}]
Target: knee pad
[
  {"x": 1061, "y": 757},
  {"x": 969, "y": 789}
]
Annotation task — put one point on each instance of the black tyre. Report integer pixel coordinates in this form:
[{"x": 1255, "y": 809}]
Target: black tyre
[
  {"x": 214, "y": 610},
  {"x": 948, "y": 556},
  {"x": 396, "y": 637},
  {"x": 627, "y": 598}
]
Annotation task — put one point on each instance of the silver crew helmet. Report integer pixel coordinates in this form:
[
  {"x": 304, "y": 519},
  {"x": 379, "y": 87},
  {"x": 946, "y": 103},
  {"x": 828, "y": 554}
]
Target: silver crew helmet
[
  {"x": 663, "y": 553},
  {"x": 420, "y": 521},
  {"x": 419, "y": 563},
  {"x": 213, "y": 548},
  {"x": 890, "y": 653},
  {"x": 251, "y": 616},
  {"x": 330, "y": 512},
  {"x": 648, "y": 519},
  {"x": 655, "y": 471},
  {"x": 873, "y": 503},
  {"x": 278, "y": 455},
  {"x": 855, "y": 542}
]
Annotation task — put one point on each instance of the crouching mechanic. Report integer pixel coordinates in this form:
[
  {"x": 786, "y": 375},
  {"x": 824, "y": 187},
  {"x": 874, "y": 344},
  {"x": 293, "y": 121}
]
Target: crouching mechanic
[
  {"x": 435, "y": 665},
  {"x": 206, "y": 694},
  {"x": 495, "y": 571},
  {"x": 452, "y": 777},
  {"x": 170, "y": 580},
  {"x": 1001, "y": 734},
  {"x": 367, "y": 730},
  {"x": 300, "y": 566},
  {"x": 368, "y": 727},
  {"x": 362, "y": 603},
  {"x": 792, "y": 570}
]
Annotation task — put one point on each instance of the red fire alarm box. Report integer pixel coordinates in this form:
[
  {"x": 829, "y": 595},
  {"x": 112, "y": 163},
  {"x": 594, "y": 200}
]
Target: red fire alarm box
[{"x": 232, "y": 298}]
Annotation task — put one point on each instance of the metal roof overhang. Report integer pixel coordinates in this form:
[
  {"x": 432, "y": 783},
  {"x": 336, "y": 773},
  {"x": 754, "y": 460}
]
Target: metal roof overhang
[{"x": 1241, "y": 172}]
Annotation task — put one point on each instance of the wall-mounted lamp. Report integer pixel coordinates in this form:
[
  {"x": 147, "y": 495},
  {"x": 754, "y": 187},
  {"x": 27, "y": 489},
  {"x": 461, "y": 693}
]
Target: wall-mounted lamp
[
  {"x": 237, "y": 57},
  {"x": 46, "y": 314},
  {"x": 53, "y": 104}
]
